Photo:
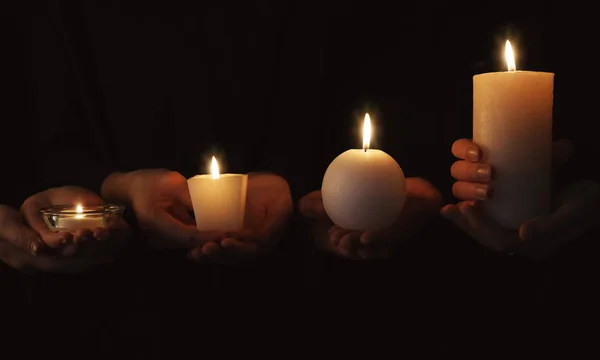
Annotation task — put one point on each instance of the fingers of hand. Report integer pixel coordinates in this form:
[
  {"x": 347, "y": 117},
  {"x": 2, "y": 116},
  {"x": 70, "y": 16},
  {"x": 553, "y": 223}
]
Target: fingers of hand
[
  {"x": 14, "y": 231},
  {"x": 466, "y": 149},
  {"x": 467, "y": 216},
  {"x": 28, "y": 263},
  {"x": 311, "y": 206},
  {"x": 453, "y": 213},
  {"x": 228, "y": 251},
  {"x": 176, "y": 234},
  {"x": 349, "y": 244},
  {"x": 208, "y": 249},
  {"x": 468, "y": 191},
  {"x": 463, "y": 170},
  {"x": 31, "y": 212},
  {"x": 236, "y": 246}
]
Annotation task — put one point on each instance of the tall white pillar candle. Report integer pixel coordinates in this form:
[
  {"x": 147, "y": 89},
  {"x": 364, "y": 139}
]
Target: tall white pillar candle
[
  {"x": 219, "y": 200},
  {"x": 512, "y": 123}
]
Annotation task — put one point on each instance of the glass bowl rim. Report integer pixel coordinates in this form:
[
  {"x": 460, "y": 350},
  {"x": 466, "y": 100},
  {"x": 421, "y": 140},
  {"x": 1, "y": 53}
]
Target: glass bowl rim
[{"x": 99, "y": 209}]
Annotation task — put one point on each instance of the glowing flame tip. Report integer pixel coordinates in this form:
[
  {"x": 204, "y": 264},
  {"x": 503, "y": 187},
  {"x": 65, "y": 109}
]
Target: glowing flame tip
[
  {"x": 367, "y": 132},
  {"x": 214, "y": 168},
  {"x": 510, "y": 57}
]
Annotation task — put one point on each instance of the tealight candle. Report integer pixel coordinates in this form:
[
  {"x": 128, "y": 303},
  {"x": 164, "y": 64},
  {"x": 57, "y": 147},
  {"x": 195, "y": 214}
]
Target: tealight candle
[
  {"x": 364, "y": 189},
  {"x": 219, "y": 200},
  {"x": 79, "y": 221},
  {"x": 72, "y": 218},
  {"x": 512, "y": 123}
]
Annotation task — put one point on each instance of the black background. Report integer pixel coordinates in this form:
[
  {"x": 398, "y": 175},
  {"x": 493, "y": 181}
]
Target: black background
[{"x": 97, "y": 87}]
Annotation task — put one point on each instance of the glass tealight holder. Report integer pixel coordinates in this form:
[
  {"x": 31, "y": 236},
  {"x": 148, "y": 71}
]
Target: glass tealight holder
[{"x": 75, "y": 217}]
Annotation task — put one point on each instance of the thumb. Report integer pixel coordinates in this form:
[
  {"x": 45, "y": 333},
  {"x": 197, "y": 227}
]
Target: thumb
[
  {"x": 556, "y": 225},
  {"x": 576, "y": 214},
  {"x": 31, "y": 210},
  {"x": 14, "y": 231},
  {"x": 311, "y": 206}
]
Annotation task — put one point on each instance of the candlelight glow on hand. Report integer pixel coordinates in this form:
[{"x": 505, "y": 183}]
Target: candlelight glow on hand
[
  {"x": 364, "y": 190},
  {"x": 510, "y": 57},
  {"x": 367, "y": 132},
  {"x": 512, "y": 122},
  {"x": 219, "y": 200}
]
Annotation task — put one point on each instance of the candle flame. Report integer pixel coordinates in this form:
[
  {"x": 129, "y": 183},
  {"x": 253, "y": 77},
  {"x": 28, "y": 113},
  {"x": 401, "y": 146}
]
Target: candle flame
[
  {"x": 367, "y": 132},
  {"x": 510, "y": 57},
  {"x": 79, "y": 211},
  {"x": 214, "y": 168}
]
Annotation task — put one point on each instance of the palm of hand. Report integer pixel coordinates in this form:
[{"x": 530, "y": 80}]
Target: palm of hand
[
  {"x": 268, "y": 206},
  {"x": 576, "y": 213},
  {"x": 162, "y": 204},
  {"x": 422, "y": 200}
]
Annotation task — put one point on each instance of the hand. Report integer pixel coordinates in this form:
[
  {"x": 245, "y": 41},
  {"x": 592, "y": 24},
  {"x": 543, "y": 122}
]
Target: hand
[
  {"x": 268, "y": 209},
  {"x": 577, "y": 212},
  {"x": 22, "y": 248},
  {"x": 536, "y": 238},
  {"x": 162, "y": 204},
  {"x": 423, "y": 200},
  {"x": 83, "y": 242},
  {"x": 473, "y": 177}
]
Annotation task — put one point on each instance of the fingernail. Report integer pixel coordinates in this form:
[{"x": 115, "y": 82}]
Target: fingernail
[
  {"x": 472, "y": 154},
  {"x": 484, "y": 172},
  {"x": 481, "y": 192},
  {"x": 35, "y": 247}
]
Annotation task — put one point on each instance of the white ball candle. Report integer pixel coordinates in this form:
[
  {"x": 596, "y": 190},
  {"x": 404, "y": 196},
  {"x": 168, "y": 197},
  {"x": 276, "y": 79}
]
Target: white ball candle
[
  {"x": 512, "y": 123},
  {"x": 219, "y": 200},
  {"x": 364, "y": 189}
]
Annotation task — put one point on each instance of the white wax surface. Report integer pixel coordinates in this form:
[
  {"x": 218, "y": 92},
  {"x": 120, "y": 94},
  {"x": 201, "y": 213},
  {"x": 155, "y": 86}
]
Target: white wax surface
[
  {"x": 219, "y": 204},
  {"x": 512, "y": 122},
  {"x": 79, "y": 222},
  {"x": 364, "y": 190}
]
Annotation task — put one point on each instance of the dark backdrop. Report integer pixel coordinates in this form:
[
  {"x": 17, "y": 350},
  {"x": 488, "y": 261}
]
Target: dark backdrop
[{"x": 97, "y": 87}]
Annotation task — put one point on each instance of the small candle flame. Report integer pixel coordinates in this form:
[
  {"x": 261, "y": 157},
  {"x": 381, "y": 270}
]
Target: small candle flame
[
  {"x": 214, "y": 168},
  {"x": 510, "y": 57},
  {"x": 367, "y": 132},
  {"x": 79, "y": 211}
]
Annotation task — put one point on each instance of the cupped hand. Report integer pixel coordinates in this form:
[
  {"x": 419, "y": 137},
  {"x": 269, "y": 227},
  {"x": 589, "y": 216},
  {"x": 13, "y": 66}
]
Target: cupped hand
[
  {"x": 162, "y": 204},
  {"x": 578, "y": 211},
  {"x": 268, "y": 209},
  {"x": 423, "y": 200},
  {"x": 473, "y": 177},
  {"x": 80, "y": 242},
  {"x": 540, "y": 237},
  {"x": 22, "y": 248}
]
